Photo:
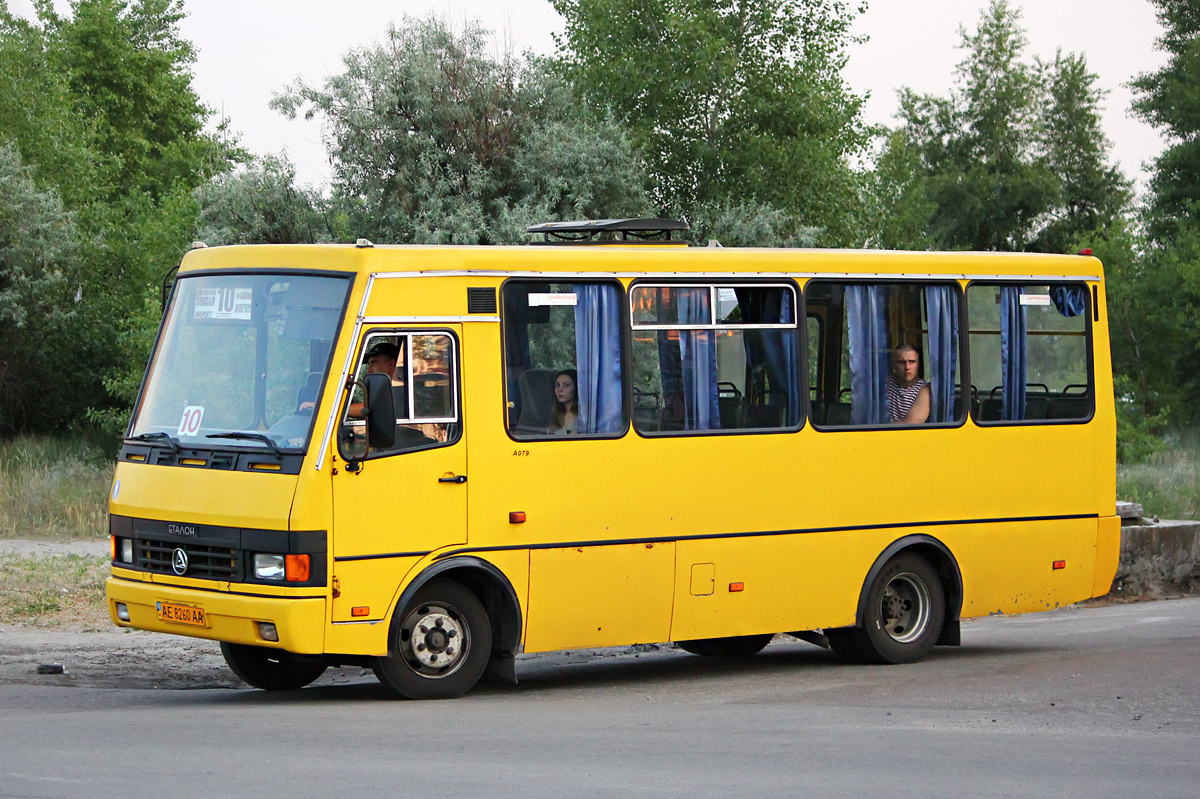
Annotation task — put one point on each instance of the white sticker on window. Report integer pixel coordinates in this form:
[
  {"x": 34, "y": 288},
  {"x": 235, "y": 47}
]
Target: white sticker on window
[
  {"x": 551, "y": 299},
  {"x": 1035, "y": 299},
  {"x": 224, "y": 302},
  {"x": 189, "y": 425}
]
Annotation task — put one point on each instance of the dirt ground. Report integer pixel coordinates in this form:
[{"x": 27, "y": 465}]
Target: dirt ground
[{"x": 94, "y": 653}]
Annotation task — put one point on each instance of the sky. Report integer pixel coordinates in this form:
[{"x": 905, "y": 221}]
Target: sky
[{"x": 248, "y": 50}]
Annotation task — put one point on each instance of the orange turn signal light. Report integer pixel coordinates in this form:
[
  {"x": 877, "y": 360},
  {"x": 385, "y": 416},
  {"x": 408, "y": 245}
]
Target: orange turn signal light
[
  {"x": 296, "y": 568},
  {"x": 516, "y": 517},
  {"x": 1060, "y": 564},
  {"x": 361, "y": 610},
  {"x": 735, "y": 587}
]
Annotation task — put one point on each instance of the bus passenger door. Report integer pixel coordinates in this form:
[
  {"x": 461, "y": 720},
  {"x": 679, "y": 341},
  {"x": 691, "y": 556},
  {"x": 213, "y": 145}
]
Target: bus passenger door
[{"x": 400, "y": 503}]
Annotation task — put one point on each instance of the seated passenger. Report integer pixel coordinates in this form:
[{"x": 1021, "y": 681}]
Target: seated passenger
[
  {"x": 564, "y": 409},
  {"x": 908, "y": 394}
]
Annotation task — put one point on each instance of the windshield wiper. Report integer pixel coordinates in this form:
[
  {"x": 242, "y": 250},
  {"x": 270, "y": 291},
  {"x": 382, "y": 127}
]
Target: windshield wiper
[
  {"x": 237, "y": 436},
  {"x": 172, "y": 443}
]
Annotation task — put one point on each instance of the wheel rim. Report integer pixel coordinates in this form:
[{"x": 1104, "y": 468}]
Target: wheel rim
[
  {"x": 905, "y": 608},
  {"x": 435, "y": 640}
]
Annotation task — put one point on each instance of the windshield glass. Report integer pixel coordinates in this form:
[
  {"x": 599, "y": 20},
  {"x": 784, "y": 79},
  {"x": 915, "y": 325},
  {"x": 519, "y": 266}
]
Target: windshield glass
[{"x": 243, "y": 354}]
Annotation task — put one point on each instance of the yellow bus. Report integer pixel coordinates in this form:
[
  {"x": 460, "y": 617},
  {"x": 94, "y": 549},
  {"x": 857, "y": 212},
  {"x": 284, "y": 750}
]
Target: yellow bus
[{"x": 427, "y": 460}]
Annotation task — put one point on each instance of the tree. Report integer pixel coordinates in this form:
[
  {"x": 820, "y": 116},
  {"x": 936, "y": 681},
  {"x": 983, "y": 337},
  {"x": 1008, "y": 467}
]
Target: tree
[
  {"x": 1014, "y": 158},
  {"x": 261, "y": 204},
  {"x": 98, "y": 104},
  {"x": 734, "y": 104},
  {"x": 432, "y": 139},
  {"x": 1168, "y": 279},
  {"x": 39, "y": 270},
  {"x": 1092, "y": 192},
  {"x": 1169, "y": 100}
]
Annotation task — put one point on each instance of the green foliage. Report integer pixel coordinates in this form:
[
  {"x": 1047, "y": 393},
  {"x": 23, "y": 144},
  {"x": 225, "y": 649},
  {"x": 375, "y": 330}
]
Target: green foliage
[
  {"x": 1014, "y": 158},
  {"x": 98, "y": 106},
  {"x": 1169, "y": 100},
  {"x": 433, "y": 139},
  {"x": 261, "y": 204},
  {"x": 39, "y": 272},
  {"x": 733, "y": 104},
  {"x": 1167, "y": 483},
  {"x": 900, "y": 210},
  {"x": 53, "y": 488}
]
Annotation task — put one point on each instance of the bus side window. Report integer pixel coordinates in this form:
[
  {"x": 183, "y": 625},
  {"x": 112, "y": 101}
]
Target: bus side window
[
  {"x": 888, "y": 353},
  {"x": 1030, "y": 351},
  {"x": 567, "y": 333},
  {"x": 712, "y": 357}
]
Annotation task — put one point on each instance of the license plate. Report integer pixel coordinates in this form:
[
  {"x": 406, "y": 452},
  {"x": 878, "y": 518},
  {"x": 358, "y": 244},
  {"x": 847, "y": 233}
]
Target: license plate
[{"x": 181, "y": 614}]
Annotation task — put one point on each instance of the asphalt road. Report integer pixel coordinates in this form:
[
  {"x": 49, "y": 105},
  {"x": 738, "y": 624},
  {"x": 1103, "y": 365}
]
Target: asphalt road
[{"x": 1081, "y": 702}]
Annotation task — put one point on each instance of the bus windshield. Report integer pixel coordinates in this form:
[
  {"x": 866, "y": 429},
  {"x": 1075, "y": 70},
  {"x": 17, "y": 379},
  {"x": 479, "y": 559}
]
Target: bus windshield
[{"x": 241, "y": 361}]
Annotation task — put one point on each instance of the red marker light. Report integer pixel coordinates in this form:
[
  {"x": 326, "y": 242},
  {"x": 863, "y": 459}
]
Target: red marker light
[
  {"x": 1060, "y": 564},
  {"x": 1086, "y": 251},
  {"x": 362, "y": 610},
  {"x": 735, "y": 587},
  {"x": 516, "y": 517}
]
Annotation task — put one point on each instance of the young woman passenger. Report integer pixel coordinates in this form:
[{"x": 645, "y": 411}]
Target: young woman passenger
[{"x": 564, "y": 409}]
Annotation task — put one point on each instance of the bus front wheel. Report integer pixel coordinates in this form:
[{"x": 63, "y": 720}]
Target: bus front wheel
[
  {"x": 905, "y": 609},
  {"x": 270, "y": 669},
  {"x": 439, "y": 643}
]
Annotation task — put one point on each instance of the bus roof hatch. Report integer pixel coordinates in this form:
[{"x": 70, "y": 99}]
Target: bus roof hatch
[{"x": 651, "y": 230}]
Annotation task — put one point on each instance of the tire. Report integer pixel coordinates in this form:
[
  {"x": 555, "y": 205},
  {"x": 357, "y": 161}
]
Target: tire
[
  {"x": 270, "y": 669},
  {"x": 905, "y": 610},
  {"x": 735, "y": 646},
  {"x": 438, "y": 645}
]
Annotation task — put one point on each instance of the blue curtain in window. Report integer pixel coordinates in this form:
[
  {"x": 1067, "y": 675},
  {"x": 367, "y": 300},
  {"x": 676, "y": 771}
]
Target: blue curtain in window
[
  {"x": 698, "y": 353},
  {"x": 1013, "y": 355},
  {"x": 778, "y": 348},
  {"x": 866, "y": 320},
  {"x": 941, "y": 310},
  {"x": 1069, "y": 300},
  {"x": 598, "y": 357}
]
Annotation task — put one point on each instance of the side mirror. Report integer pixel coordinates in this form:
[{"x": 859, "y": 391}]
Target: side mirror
[
  {"x": 381, "y": 411},
  {"x": 377, "y": 430}
]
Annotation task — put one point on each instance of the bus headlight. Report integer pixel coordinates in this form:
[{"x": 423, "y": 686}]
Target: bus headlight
[
  {"x": 268, "y": 567},
  {"x": 127, "y": 550}
]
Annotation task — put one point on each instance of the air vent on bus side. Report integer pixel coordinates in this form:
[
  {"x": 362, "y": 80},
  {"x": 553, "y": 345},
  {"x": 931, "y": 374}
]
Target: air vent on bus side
[{"x": 481, "y": 300}]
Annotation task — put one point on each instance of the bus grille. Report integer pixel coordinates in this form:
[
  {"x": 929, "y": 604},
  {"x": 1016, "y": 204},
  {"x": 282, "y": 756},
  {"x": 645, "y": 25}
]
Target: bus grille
[{"x": 204, "y": 562}]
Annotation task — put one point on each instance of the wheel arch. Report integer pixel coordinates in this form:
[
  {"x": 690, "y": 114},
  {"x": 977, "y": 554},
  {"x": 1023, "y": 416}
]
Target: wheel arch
[
  {"x": 489, "y": 585},
  {"x": 943, "y": 562}
]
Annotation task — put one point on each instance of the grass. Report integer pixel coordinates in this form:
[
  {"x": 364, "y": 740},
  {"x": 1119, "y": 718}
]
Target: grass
[
  {"x": 1167, "y": 484},
  {"x": 53, "y": 489},
  {"x": 53, "y": 590}
]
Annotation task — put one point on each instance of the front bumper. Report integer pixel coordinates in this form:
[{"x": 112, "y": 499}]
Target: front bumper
[{"x": 232, "y": 618}]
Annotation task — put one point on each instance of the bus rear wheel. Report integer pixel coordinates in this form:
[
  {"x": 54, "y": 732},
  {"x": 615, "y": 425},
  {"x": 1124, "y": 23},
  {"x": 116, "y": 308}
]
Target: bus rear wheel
[
  {"x": 735, "y": 646},
  {"x": 905, "y": 610},
  {"x": 439, "y": 644},
  {"x": 270, "y": 669}
]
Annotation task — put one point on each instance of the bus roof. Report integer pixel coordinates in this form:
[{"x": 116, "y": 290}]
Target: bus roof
[{"x": 620, "y": 259}]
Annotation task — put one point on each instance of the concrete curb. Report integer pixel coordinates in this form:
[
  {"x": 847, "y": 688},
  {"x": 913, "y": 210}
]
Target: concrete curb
[{"x": 1160, "y": 557}]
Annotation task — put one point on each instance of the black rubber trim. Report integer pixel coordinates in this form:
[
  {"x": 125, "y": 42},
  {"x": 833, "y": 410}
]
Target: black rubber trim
[
  {"x": 764, "y": 533},
  {"x": 381, "y": 556}
]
